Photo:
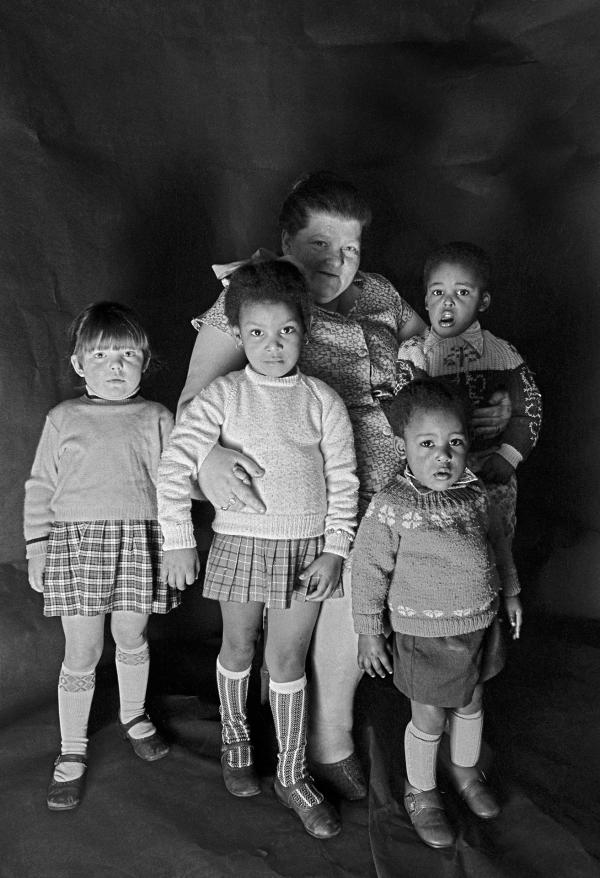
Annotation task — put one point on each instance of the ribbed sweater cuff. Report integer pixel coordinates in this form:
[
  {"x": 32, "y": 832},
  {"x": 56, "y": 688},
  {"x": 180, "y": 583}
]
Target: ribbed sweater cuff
[
  {"x": 178, "y": 536},
  {"x": 510, "y": 454},
  {"x": 37, "y": 548},
  {"x": 511, "y": 585},
  {"x": 338, "y": 542},
  {"x": 368, "y": 623}
]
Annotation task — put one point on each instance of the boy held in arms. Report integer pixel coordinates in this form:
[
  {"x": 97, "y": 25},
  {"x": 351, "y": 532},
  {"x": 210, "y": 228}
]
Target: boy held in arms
[{"x": 456, "y": 348}]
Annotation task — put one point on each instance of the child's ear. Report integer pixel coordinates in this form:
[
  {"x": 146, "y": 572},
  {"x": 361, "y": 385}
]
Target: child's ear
[
  {"x": 237, "y": 335},
  {"x": 484, "y": 304},
  {"x": 76, "y": 365},
  {"x": 285, "y": 242},
  {"x": 400, "y": 446}
]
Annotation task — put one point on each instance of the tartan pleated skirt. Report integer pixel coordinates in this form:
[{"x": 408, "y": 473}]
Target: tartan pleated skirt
[
  {"x": 98, "y": 567},
  {"x": 243, "y": 569}
]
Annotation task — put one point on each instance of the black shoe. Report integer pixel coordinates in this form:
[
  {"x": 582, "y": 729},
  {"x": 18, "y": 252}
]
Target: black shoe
[
  {"x": 428, "y": 817},
  {"x": 149, "y": 749},
  {"x": 242, "y": 782},
  {"x": 320, "y": 821},
  {"x": 64, "y": 795}
]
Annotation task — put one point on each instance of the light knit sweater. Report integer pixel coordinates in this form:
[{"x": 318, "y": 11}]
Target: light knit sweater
[
  {"x": 297, "y": 429},
  {"x": 96, "y": 460},
  {"x": 434, "y": 560}
]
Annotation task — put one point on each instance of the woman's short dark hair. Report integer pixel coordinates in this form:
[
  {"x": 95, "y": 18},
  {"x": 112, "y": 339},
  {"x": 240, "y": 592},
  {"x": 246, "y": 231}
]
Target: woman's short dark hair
[
  {"x": 322, "y": 192},
  {"x": 463, "y": 253},
  {"x": 275, "y": 281},
  {"x": 425, "y": 394}
]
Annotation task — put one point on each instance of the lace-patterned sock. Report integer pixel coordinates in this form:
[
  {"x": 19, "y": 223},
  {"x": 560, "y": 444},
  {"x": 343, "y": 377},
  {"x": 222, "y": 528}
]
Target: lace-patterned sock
[
  {"x": 421, "y": 750},
  {"x": 233, "y": 693},
  {"x": 75, "y": 694},
  {"x": 133, "y": 667},
  {"x": 465, "y": 738},
  {"x": 288, "y": 705}
]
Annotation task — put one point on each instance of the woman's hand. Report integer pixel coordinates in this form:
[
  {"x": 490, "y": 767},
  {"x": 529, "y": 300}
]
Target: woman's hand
[
  {"x": 322, "y": 575},
  {"x": 35, "y": 572},
  {"x": 374, "y": 654},
  {"x": 492, "y": 420},
  {"x": 225, "y": 479},
  {"x": 180, "y": 567},
  {"x": 514, "y": 613}
]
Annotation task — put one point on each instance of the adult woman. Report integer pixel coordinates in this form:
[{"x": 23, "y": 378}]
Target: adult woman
[{"x": 359, "y": 321}]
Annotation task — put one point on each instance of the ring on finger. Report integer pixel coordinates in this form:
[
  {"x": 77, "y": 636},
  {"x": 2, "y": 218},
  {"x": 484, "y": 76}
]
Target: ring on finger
[{"x": 231, "y": 502}]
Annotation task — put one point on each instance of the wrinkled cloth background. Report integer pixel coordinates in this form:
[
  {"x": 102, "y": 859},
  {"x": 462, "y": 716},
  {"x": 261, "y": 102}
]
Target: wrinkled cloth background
[{"x": 143, "y": 141}]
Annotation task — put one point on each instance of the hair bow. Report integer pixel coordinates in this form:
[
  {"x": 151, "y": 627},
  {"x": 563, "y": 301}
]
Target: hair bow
[{"x": 223, "y": 271}]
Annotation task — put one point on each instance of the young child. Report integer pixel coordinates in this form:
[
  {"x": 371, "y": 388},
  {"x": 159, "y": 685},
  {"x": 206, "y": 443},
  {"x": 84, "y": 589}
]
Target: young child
[
  {"x": 457, "y": 280},
  {"x": 288, "y": 559},
  {"x": 93, "y": 542},
  {"x": 430, "y": 554}
]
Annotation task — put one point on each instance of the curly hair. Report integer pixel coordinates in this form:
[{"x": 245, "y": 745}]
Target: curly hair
[
  {"x": 275, "y": 281},
  {"x": 461, "y": 253},
  {"x": 108, "y": 324},
  {"x": 427, "y": 394}
]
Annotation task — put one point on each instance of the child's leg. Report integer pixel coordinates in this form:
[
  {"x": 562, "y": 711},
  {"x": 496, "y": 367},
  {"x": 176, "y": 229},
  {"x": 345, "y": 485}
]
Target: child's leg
[
  {"x": 421, "y": 798},
  {"x": 84, "y": 639},
  {"x": 290, "y": 633},
  {"x": 241, "y": 626},
  {"x": 466, "y": 727}
]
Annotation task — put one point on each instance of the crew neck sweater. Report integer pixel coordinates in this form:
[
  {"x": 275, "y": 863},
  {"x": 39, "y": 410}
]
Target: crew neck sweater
[
  {"x": 297, "y": 429},
  {"x": 433, "y": 560},
  {"x": 96, "y": 460}
]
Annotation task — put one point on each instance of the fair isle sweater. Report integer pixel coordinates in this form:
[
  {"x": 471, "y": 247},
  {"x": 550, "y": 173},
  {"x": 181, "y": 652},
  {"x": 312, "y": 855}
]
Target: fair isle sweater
[
  {"x": 296, "y": 428},
  {"x": 433, "y": 560},
  {"x": 481, "y": 363},
  {"x": 96, "y": 460}
]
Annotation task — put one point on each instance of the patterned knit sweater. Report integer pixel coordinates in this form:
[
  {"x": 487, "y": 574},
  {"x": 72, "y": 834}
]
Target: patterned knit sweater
[
  {"x": 481, "y": 363},
  {"x": 433, "y": 560},
  {"x": 297, "y": 429},
  {"x": 96, "y": 461}
]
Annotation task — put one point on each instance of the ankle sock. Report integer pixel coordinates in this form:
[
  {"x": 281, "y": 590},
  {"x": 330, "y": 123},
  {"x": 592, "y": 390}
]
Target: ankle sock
[
  {"x": 465, "y": 738},
  {"x": 288, "y": 705},
  {"x": 75, "y": 694},
  {"x": 133, "y": 666},
  {"x": 421, "y": 750},
  {"x": 233, "y": 694}
]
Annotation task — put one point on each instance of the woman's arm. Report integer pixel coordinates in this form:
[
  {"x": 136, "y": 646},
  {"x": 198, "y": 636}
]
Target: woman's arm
[
  {"x": 413, "y": 326},
  {"x": 215, "y": 353}
]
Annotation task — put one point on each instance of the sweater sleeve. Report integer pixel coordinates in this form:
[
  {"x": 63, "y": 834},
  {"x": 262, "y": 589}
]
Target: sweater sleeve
[
  {"x": 501, "y": 545},
  {"x": 189, "y": 443},
  {"x": 373, "y": 562},
  {"x": 339, "y": 463},
  {"x": 411, "y": 363},
  {"x": 39, "y": 490},
  {"x": 522, "y": 431}
]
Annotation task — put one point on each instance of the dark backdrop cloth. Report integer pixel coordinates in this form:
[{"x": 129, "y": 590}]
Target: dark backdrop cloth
[{"x": 143, "y": 141}]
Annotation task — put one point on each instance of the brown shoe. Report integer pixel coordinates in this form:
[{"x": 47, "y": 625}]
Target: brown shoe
[
  {"x": 344, "y": 778},
  {"x": 320, "y": 821},
  {"x": 428, "y": 817},
  {"x": 64, "y": 795},
  {"x": 479, "y": 797},
  {"x": 149, "y": 749},
  {"x": 241, "y": 782}
]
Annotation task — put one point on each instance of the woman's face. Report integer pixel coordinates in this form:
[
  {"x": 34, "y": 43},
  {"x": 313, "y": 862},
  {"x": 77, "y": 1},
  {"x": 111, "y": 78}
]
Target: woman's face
[{"x": 328, "y": 251}]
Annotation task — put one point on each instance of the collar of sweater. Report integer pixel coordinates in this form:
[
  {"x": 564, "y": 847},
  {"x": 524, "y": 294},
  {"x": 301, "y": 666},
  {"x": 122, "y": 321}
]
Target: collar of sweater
[
  {"x": 268, "y": 381},
  {"x": 466, "y": 479},
  {"x": 472, "y": 336},
  {"x": 99, "y": 400}
]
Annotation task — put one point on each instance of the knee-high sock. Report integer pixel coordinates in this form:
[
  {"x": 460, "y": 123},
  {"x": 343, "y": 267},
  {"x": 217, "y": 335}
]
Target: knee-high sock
[
  {"x": 288, "y": 705},
  {"x": 335, "y": 676},
  {"x": 133, "y": 666},
  {"x": 465, "y": 738},
  {"x": 233, "y": 693},
  {"x": 75, "y": 694},
  {"x": 421, "y": 750}
]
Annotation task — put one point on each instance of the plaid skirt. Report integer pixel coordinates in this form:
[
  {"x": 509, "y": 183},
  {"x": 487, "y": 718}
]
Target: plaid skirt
[
  {"x": 246, "y": 569},
  {"x": 97, "y": 567}
]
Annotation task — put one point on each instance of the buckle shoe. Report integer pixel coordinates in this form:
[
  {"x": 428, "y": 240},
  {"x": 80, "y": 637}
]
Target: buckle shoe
[
  {"x": 149, "y": 749},
  {"x": 64, "y": 795},
  {"x": 426, "y": 812}
]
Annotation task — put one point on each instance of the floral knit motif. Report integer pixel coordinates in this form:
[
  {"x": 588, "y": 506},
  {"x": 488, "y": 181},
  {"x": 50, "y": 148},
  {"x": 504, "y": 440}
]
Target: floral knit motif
[
  {"x": 356, "y": 355},
  {"x": 433, "y": 560}
]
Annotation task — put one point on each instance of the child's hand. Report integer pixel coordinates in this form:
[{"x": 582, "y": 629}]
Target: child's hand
[
  {"x": 35, "y": 572},
  {"x": 514, "y": 612},
  {"x": 322, "y": 575},
  {"x": 180, "y": 567},
  {"x": 496, "y": 470},
  {"x": 374, "y": 654}
]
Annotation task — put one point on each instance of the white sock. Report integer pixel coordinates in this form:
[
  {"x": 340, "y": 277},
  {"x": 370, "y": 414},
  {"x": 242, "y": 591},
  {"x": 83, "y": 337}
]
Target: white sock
[
  {"x": 465, "y": 738},
  {"x": 75, "y": 694},
  {"x": 133, "y": 666},
  {"x": 421, "y": 750}
]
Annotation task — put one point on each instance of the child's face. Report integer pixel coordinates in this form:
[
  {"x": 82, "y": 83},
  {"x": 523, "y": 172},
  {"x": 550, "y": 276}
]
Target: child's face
[
  {"x": 454, "y": 298},
  {"x": 111, "y": 372},
  {"x": 436, "y": 445},
  {"x": 272, "y": 335}
]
